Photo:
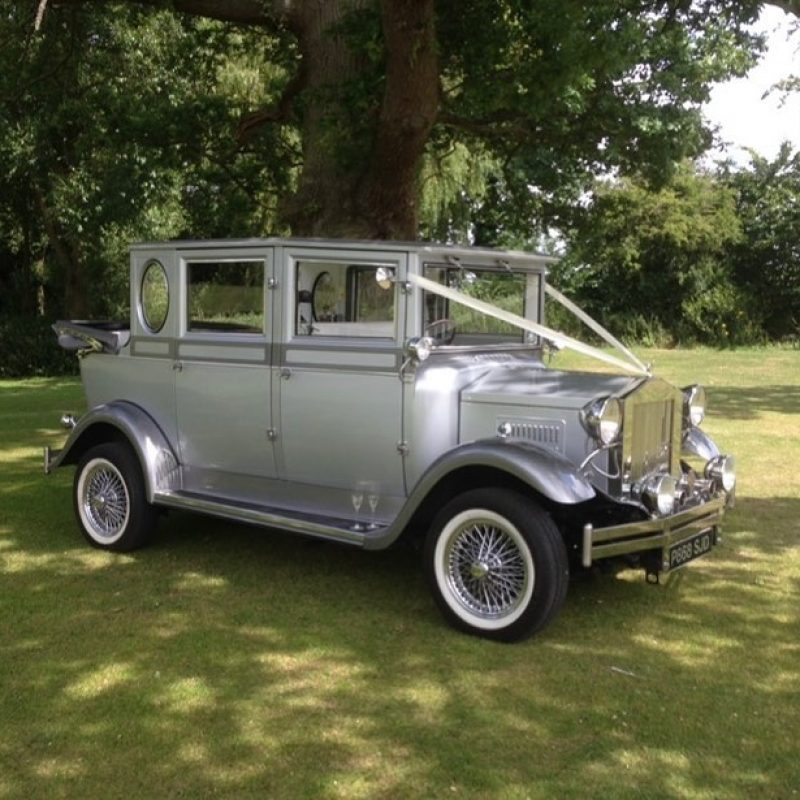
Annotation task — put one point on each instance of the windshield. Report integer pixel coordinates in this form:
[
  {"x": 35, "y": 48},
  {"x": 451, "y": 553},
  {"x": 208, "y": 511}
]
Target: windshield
[{"x": 451, "y": 323}]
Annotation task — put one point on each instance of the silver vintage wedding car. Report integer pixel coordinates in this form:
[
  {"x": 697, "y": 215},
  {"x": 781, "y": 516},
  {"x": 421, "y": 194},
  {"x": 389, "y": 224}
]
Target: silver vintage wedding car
[{"x": 366, "y": 391}]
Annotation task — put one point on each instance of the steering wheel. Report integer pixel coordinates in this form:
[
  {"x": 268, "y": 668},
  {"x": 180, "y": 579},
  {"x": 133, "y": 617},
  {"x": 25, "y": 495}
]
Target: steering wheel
[{"x": 442, "y": 331}]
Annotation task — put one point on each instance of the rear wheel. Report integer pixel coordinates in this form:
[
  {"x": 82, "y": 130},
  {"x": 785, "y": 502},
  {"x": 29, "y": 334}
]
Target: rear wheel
[
  {"x": 109, "y": 498},
  {"x": 496, "y": 564}
]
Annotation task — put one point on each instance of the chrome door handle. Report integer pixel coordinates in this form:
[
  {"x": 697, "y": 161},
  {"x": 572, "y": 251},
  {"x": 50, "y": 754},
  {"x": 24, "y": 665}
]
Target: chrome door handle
[
  {"x": 177, "y": 366},
  {"x": 286, "y": 373}
]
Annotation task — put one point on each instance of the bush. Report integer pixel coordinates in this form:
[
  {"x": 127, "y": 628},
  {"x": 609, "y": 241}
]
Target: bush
[{"x": 28, "y": 347}]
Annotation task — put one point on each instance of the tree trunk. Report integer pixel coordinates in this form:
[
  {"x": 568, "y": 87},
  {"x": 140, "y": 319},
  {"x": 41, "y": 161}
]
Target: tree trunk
[
  {"x": 324, "y": 203},
  {"x": 69, "y": 261},
  {"x": 389, "y": 199},
  {"x": 376, "y": 197}
]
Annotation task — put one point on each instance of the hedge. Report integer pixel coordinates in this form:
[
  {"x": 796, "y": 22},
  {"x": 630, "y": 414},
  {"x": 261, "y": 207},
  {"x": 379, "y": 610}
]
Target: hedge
[{"x": 28, "y": 347}]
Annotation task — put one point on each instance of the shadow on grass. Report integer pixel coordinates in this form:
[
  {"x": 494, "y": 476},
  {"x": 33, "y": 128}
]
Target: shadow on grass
[
  {"x": 228, "y": 660},
  {"x": 746, "y": 402}
]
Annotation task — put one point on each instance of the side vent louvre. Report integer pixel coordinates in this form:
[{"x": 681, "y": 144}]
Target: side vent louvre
[{"x": 546, "y": 433}]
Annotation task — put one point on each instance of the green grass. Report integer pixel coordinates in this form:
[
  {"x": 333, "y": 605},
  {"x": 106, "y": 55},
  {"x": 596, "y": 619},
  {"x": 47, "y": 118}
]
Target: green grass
[{"x": 228, "y": 661}]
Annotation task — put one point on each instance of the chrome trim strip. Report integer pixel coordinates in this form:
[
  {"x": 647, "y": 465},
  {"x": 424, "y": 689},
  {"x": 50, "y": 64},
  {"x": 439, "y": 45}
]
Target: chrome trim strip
[{"x": 257, "y": 516}]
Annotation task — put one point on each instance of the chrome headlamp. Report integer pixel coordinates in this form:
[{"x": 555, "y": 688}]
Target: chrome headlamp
[
  {"x": 694, "y": 404},
  {"x": 658, "y": 494},
  {"x": 602, "y": 419},
  {"x": 722, "y": 469}
]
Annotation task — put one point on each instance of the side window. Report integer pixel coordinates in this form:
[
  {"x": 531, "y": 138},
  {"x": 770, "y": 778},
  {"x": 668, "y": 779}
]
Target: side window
[
  {"x": 225, "y": 296},
  {"x": 154, "y": 296},
  {"x": 515, "y": 292},
  {"x": 339, "y": 299}
]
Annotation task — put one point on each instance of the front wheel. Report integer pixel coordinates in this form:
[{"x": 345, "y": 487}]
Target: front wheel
[
  {"x": 496, "y": 564},
  {"x": 110, "y": 501}
]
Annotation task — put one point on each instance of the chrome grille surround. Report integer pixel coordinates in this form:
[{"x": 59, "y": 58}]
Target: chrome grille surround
[{"x": 651, "y": 432}]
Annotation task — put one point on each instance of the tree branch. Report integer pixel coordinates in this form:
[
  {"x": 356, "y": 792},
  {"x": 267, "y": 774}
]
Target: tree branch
[
  {"x": 39, "y": 14},
  {"x": 498, "y": 124},
  {"x": 250, "y": 124}
]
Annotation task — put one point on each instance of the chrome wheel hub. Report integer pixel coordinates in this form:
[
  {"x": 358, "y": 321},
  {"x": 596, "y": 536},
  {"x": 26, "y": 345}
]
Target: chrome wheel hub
[
  {"x": 104, "y": 500},
  {"x": 486, "y": 569}
]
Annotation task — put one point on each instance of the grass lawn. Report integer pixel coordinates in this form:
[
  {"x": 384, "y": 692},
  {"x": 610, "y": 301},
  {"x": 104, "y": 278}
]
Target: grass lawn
[{"x": 228, "y": 661}]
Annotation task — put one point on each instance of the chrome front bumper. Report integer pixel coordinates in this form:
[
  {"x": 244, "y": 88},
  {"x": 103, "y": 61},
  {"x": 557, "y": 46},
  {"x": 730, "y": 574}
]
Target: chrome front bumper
[{"x": 651, "y": 534}]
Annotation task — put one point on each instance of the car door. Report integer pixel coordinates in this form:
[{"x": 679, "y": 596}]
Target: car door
[
  {"x": 339, "y": 394},
  {"x": 224, "y": 366}
]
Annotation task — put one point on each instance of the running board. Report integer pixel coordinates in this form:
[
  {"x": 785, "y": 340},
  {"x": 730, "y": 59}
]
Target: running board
[{"x": 332, "y": 528}]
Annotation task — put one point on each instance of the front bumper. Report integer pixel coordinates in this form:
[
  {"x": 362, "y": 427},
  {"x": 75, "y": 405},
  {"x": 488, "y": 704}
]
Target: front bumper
[{"x": 652, "y": 534}]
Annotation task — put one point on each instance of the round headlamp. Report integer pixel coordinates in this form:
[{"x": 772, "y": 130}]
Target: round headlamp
[
  {"x": 659, "y": 494},
  {"x": 722, "y": 469},
  {"x": 694, "y": 404},
  {"x": 603, "y": 419}
]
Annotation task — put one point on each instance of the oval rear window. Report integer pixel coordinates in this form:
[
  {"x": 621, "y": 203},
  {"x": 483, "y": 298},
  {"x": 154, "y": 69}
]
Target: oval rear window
[{"x": 154, "y": 296}]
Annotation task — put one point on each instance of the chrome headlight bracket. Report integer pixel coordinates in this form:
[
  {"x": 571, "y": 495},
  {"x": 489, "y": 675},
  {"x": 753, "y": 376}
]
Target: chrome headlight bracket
[{"x": 694, "y": 405}]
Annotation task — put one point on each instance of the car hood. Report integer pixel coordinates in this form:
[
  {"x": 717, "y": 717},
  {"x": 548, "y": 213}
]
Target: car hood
[{"x": 536, "y": 386}]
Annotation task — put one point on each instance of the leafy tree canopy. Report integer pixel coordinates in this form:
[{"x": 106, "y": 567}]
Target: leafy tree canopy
[
  {"x": 455, "y": 119},
  {"x": 538, "y": 97}
]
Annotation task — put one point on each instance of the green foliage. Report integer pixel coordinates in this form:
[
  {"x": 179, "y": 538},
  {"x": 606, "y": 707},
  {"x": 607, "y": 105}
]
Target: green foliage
[
  {"x": 711, "y": 258},
  {"x": 118, "y": 124},
  {"x": 558, "y": 92},
  {"x": 766, "y": 262},
  {"x": 28, "y": 347},
  {"x": 658, "y": 258}
]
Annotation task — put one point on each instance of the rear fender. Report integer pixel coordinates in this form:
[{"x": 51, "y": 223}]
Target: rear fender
[{"x": 117, "y": 420}]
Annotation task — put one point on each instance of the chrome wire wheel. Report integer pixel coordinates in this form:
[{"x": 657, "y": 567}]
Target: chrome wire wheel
[
  {"x": 484, "y": 569},
  {"x": 103, "y": 501}
]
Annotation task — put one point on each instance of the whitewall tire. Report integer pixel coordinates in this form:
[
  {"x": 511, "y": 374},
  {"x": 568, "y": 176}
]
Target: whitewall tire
[
  {"x": 109, "y": 498},
  {"x": 496, "y": 564}
]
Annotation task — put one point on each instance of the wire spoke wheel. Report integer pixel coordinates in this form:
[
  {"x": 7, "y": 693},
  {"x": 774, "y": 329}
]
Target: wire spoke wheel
[
  {"x": 486, "y": 569},
  {"x": 103, "y": 501}
]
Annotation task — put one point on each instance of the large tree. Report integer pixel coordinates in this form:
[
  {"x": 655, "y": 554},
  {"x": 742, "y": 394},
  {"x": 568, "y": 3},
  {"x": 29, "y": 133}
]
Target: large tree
[{"x": 547, "y": 92}]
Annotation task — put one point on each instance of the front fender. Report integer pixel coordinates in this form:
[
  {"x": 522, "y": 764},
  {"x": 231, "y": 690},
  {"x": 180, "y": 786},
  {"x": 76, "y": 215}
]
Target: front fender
[
  {"x": 547, "y": 473},
  {"x": 156, "y": 456}
]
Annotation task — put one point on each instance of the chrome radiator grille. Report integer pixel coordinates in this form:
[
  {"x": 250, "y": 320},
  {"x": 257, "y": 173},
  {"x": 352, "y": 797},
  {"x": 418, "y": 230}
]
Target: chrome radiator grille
[{"x": 651, "y": 431}]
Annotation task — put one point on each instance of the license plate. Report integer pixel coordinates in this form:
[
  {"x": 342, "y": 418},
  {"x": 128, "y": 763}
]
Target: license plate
[{"x": 689, "y": 549}]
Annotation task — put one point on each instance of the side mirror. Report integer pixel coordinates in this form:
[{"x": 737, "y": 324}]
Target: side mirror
[
  {"x": 419, "y": 348},
  {"x": 415, "y": 350}
]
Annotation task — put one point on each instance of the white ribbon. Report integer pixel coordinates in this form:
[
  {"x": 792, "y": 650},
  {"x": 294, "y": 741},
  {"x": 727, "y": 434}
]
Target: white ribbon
[
  {"x": 559, "y": 339},
  {"x": 595, "y": 326}
]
